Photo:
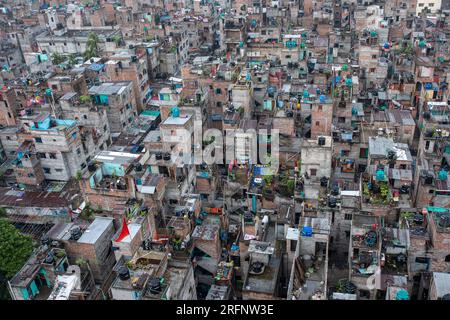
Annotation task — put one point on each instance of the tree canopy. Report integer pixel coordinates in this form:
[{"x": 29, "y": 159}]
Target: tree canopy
[
  {"x": 58, "y": 58},
  {"x": 91, "y": 46},
  {"x": 15, "y": 249}
]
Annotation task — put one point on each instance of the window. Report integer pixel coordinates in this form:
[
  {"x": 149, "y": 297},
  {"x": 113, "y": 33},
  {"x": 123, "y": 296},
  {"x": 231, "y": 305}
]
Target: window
[
  {"x": 52, "y": 155},
  {"x": 47, "y": 170},
  {"x": 78, "y": 151},
  {"x": 345, "y": 153},
  {"x": 348, "y": 216},
  {"x": 218, "y": 91},
  {"x": 422, "y": 260},
  {"x": 374, "y": 56},
  {"x": 447, "y": 258},
  {"x": 293, "y": 245},
  {"x": 8, "y": 138},
  {"x": 317, "y": 123},
  {"x": 363, "y": 153},
  {"x": 372, "y": 70},
  {"x": 59, "y": 170},
  {"x": 84, "y": 117},
  {"x": 313, "y": 172},
  {"x": 341, "y": 119},
  {"x": 38, "y": 140},
  {"x": 30, "y": 175},
  {"x": 41, "y": 155},
  {"x": 320, "y": 108}
]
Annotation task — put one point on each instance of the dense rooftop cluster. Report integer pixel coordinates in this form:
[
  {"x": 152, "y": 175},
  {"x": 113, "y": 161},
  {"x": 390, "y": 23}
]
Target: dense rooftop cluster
[{"x": 105, "y": 105}]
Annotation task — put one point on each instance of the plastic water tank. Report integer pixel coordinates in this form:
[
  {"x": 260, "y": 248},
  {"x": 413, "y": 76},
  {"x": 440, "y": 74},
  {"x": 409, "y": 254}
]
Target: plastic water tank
[
  {"x": 443, "y": 175},
  {"x": 380, "y": 175},
  {"x": 305, "y": 94},
  {"x": 321, "y": 141},
  {"x": 175, "y": 112},
  {"x": 402, "y": 295}
]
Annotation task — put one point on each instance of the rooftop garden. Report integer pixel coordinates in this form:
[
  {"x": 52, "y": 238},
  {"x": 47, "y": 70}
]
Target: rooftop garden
[{"x": 376, "y": 192}]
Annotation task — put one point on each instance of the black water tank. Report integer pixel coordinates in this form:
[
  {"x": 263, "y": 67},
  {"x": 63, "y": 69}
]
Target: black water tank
[
  {"x": 323, "y": 181},
  {"x": 428, "y": 179},
  {"x": 124, "y": 273},
  {"x": 321, "y": 141},
  {"x": 335, "y": 190},
  {"x": 155, "y": 286},
  {"x": 257, "y": 267},
  {"x": 166, "y": 156},
  {"x": 75, "y": 233},
  {"x": 158, "y": 156},
  {"x": 446, "y": 296},
  {"x": 332, "y": 202},
  {"x": 404, "y": 189}
]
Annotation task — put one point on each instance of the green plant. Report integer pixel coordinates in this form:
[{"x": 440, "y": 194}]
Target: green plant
[
  {"x": 268, "y": 180},
  {"x": 58, "y": 58},
  {"x": 15, "y": 249},
  {"x": 81, "y": 262},
  {"x": 87, "y": 213},
  {"x": 92, "y": 49},
  {"x": 407, "y": 215},
  {"x": 2, "y": 212},
  {"x": 117, "y": 40},
  {"x": 60, "y": 254},
  {"x": 78, "y": 175},
  {"x": 366, "y": 190},
  {"x": 72, "y": 60},
  {"x": 85, "y": 99},
  {"x": 290, "y": 186}
]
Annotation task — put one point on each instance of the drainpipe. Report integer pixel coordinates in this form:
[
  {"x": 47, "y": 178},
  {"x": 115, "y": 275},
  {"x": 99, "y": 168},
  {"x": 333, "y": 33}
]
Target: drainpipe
[{"x": 11, "y": 292}]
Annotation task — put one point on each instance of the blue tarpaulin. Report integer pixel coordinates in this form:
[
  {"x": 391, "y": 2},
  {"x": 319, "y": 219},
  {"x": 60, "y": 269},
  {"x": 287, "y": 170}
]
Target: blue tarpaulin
[
  {"x": 96, "y": 67},
  {"x": 347, "y": 136},
  {"x": 306, "y": 231}
]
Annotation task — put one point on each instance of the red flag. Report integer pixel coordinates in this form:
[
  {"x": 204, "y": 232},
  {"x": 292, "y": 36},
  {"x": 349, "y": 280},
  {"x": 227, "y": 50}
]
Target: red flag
[{"x": 125, "y": 232}]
